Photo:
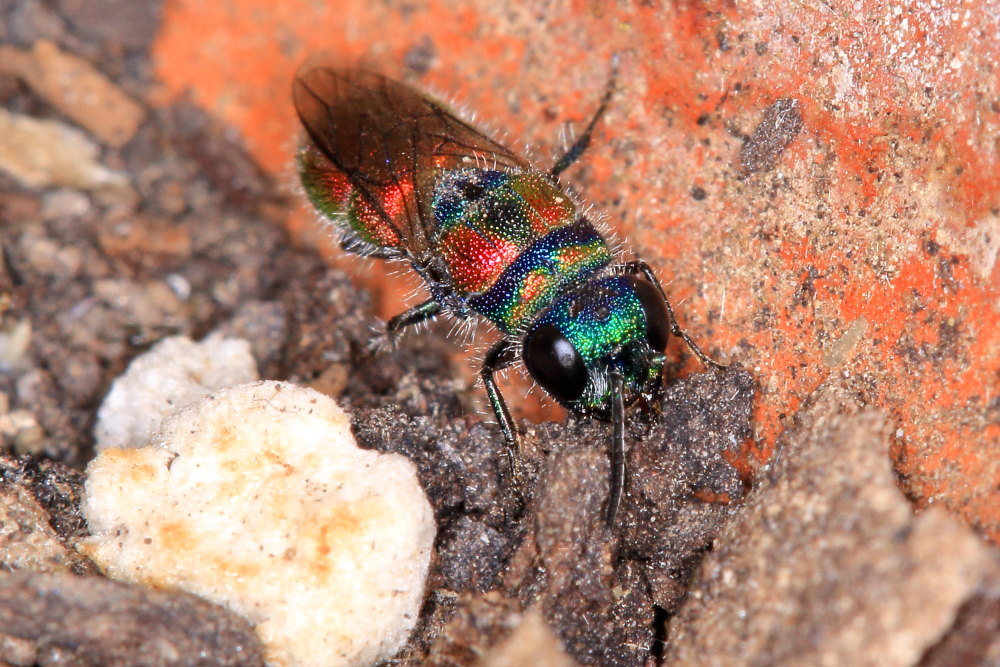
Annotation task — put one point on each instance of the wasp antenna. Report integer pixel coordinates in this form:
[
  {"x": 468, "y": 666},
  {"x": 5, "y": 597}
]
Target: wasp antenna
[
  {"x": 581, "y": 144},
  {"x": 617, "y": 447},
  {"x": 615, "y": 61}
]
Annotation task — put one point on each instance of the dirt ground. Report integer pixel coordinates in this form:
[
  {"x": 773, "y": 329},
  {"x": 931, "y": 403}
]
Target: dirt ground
[{"x": 817, "y": 187}]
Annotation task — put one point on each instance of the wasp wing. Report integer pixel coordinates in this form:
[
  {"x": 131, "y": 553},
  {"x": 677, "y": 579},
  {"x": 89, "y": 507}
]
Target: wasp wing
[{"x": 390, "y": 142}]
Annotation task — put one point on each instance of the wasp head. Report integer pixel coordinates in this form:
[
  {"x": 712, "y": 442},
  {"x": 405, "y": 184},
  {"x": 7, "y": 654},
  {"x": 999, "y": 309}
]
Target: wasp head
[{"x": 611, "y": 326}]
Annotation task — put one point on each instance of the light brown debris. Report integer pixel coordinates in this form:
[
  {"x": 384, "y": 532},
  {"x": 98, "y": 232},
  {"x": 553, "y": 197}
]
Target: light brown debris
[
  {"x": 77, "y": 89},
  {"x": 828, "y": 565}
]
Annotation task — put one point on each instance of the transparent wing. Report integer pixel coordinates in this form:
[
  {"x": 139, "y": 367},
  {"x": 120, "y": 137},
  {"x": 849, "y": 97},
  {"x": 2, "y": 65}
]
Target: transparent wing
[{"x": 390, "y": 141}]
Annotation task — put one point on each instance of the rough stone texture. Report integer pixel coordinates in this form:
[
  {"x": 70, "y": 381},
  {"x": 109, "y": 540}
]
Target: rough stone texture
[
  {"x": 827, "y": 564},
  {"x": 531, "y": 643},
  {"x": 264, "y": 324},
  {"x": 27, "y": 541},
  {"x": 788, "y": 169},
  {"x": 863, "y": 248},
  {"x": 43, "y": 498},
  {"x": 258, "y": 498},
  {"x": 600, "y": 591},
  {"x": 974, "y": 639},
  {"x": 779, "y": 125},
  {"x": 172, "y": 375},
  {"x": 101, "y": 277},
  {"x": 92, "y": 622},
  {"x": 45, "y": 153},
  {"x": 475, "y": 624},
  {"x": 77, "y": 89}
]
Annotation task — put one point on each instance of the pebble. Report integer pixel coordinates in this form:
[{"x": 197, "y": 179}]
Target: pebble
[
  {"x": 173, "y": 374},
  {"x": 258, "y": 498},
  {"x": 77, "y": 89},
  {"x": 47, "y": 153}
]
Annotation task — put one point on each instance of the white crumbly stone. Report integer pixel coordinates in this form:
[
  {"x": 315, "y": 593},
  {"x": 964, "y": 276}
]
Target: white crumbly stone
[
  {"x": 173, "y": 374},
  {"x": 258, "y": 498}
]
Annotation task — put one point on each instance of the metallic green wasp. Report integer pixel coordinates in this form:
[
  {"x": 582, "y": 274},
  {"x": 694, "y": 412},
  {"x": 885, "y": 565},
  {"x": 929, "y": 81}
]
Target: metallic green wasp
[{"x": 491, "y": 236}]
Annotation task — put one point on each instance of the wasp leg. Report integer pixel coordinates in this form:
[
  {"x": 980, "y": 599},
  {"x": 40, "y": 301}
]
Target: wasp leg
[
  {"x": 639, "y": 266},
  {"x": 499, "y": 357},
  {"x": 358, "y": 247},
  {"x": 580, "y": 145},
  {"x": 415, "y": 315},
  {"x": 617, "y": 447}
]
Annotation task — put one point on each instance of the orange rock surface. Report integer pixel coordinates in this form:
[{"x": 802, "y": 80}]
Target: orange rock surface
[{"x": 864, "y": 253}]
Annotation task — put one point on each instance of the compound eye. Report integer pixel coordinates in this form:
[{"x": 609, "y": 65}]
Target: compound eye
[
  {"x": 554, "y": 363},
  {"x": 657, "y": 321}
]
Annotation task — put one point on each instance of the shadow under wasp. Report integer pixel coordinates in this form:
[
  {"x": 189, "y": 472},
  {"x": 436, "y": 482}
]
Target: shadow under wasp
[{"x": 491, "y": 236}]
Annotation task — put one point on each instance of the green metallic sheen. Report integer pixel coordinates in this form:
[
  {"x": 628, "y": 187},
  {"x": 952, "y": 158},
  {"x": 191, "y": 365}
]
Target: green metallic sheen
[{"x": 605, "y": 321}]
